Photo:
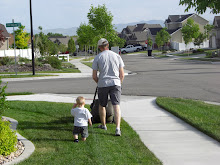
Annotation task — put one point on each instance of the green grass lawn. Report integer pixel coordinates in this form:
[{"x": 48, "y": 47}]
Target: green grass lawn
[
  {"x": 49, "y": 126},
  {"x": 202, "y": 59},
  {"x": 87, "y": 59},
  {"x": 190, "y": 54},
  {"x": 24, "y": 76},
  {"x": 18, "y": 93},
  {"x": 89, "y": 64},
  {"x": 205, "y": 117}
]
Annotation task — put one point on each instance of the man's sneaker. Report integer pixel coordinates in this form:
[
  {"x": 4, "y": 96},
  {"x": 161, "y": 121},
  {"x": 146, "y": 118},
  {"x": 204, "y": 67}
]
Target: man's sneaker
[
  {"x": 102, "y": 127},
  {"x": 117, "y": 132},
  {"x": 76, "y": 140}
]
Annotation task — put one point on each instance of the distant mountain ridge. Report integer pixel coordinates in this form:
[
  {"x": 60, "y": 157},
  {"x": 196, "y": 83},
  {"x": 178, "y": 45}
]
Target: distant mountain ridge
[{"x": 72, "y": 31}]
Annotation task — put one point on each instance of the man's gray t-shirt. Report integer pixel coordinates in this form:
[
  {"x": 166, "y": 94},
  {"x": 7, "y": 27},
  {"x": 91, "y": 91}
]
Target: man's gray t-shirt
[{"x": 108, "y": 64}]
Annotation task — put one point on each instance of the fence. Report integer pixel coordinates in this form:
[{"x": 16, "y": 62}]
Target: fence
[
  {"x": 25, "y": 53},
  {"x": 183, "y": 46}
]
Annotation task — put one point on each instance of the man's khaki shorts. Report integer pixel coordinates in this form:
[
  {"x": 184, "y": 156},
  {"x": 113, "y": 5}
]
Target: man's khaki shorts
[{"x": 113, "y": 91}]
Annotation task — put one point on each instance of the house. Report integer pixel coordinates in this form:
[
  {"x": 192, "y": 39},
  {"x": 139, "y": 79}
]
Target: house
[
  {"x": 215, "y": 33},
  {"x": 5, "y": 44},
  {"x": 62, "y": 40},
  {"x": 174, "y": 24},
  {"x": 138, "y": 34}
]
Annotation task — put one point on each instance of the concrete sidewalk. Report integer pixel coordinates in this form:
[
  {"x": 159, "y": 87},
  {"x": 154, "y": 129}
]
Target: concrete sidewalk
[{"x": 172, "y": 140}]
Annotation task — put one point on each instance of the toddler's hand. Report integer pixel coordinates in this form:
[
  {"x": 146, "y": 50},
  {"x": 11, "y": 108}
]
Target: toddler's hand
[{"x": 74, "y": 105}]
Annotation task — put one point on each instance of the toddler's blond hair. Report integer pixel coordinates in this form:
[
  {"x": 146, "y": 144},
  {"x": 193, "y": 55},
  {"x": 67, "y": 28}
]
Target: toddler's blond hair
[{"x": 80, "y": 100}]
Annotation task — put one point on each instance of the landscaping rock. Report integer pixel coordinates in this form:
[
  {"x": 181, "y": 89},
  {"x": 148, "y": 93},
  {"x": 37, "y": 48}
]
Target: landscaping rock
[{"x": 26, "y": 68}]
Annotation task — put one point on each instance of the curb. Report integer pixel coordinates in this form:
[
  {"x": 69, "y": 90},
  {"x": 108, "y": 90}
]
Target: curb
[{"x": 29, "y": 146}]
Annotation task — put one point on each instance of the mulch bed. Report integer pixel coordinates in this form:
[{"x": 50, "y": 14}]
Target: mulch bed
[{"x": 26, "y": 68}]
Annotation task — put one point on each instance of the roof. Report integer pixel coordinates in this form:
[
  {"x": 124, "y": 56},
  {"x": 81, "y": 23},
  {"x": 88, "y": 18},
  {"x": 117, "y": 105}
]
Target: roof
[
  {"x": 61, "y": 39},
  {"x": 5, "y": 32},
  {"x": 142, "y": 27},
  {"x": 177, "y": 18},
  {"x": 173, "y": 30},
  {"x": 154, "y": 31},
  {"x": 217, "y": 20},
  {"x": 139, "y": 36}
]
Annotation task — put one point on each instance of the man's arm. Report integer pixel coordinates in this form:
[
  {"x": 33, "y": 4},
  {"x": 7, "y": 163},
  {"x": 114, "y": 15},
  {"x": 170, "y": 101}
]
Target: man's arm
[
  {"x": 94, "y": 76},
  {"x": 121, "y": 74}
]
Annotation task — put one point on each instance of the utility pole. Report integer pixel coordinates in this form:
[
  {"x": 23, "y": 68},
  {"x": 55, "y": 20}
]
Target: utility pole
[{"x": 32, "y": 41}]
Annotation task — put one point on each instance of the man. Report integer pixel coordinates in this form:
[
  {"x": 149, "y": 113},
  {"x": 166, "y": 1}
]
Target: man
[{"x": 111, "y": 75}]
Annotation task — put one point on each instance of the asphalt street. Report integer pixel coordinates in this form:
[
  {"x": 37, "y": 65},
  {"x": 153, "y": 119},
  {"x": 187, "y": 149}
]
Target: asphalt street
[{"x": 153, "y": 77}]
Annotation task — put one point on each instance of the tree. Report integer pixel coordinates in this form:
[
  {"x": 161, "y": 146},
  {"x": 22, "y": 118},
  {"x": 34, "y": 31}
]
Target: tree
[
  {"x": 86, "y": 35},
  {"x": 21, "y": 38},
  {"x": 71, "y": 46},
  {"x": 202, "y": 36},
  {"x": 42, "y": 42},
  {"x": 208, "y": 28},
  {"x": 101, "y": 20},
  {"x": 162, "y": 37},
  {"x": 199, "y": 40},
  {"x": 190, "y": 31},
  {"x": 50, "y": 34},
  {"x": 158, "y": 40},
  {"x": 2, "y": 38},
  {"x": 202, "y": 5},
  {"x": 100, "y": 26}
]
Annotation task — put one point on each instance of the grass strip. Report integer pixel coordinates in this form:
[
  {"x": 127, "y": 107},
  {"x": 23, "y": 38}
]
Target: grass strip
[
  {"x": 18, "y": 93},
  {"x": 190, "y": 54},
  {"x": 24, "y": 76},
  {"x": 89, "y": 64},
  {"x": 202, "y": 59},
  {"x": 88, "y": 59},
  {"x": 205, "y": 117},
  {"x": 49, "y": 126}
]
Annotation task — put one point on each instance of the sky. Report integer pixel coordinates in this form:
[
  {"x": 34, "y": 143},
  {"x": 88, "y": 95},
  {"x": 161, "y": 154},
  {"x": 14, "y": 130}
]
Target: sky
[{"x": 52, "y": 14}]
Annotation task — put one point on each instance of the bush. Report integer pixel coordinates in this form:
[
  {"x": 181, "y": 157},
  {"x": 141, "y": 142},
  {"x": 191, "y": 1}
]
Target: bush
[
  {"x": 3, "y": 103},
  {"x": 209, "y": 54},
  {"x": 200, "y": 50},
  {"x": 5, "y": 60},
  {"x": 25, "y": 60},
  {"x": 54, "y": 62},
  {"x": 8, "y": 138}
]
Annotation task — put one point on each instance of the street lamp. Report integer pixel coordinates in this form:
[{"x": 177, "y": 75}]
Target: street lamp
[{"x": 32, "y": 41}]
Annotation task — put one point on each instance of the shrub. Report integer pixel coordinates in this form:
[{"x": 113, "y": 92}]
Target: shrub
[
  {"x": 200, "y": 50},
  {"x": 3, "y": 103},
  {"x": 25, "y": 60},
  {"x": 8, "y": 138},
  {"x": 5, "y": 60},
  {"x": 209, "y": 54},
  {"x": 54, "y": 62}
]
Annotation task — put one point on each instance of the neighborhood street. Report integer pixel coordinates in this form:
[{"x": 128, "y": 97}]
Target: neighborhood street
[{"x": 152, "y": 77}]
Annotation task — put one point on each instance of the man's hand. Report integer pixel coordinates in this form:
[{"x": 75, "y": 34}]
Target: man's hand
[{"x": 94, "y": 76}]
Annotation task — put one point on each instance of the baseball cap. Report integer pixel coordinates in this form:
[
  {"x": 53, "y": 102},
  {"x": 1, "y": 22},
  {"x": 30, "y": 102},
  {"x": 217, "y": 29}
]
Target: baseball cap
[{"x": 102, "y": 41}]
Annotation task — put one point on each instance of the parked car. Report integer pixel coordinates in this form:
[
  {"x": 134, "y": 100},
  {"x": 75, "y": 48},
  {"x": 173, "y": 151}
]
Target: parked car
[
  {"x": 144, "y": 47},
  {"x": 130, "y": 48}
]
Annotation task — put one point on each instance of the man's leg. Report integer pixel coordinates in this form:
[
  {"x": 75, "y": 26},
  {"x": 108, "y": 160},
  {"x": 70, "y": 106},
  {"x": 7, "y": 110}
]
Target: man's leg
[
  {"x": 117, "y": 116},
  {"x": 102, "y": 114}
]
